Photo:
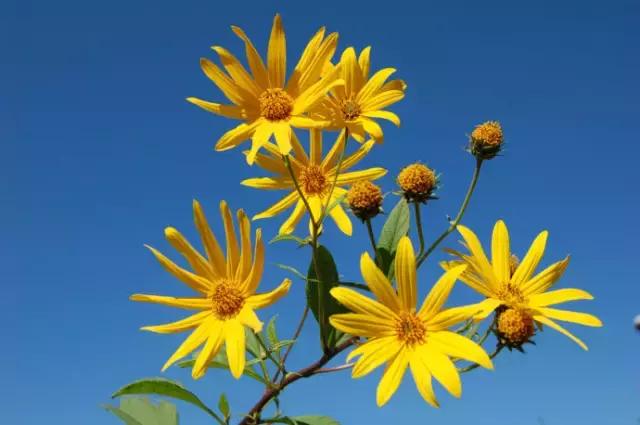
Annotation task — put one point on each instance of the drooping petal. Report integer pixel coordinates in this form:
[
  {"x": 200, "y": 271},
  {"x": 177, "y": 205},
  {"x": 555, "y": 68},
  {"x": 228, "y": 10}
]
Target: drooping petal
[
  {"x": 292, "y": 221},
  {"x": 501, "y": 252},
  {"x": 553, "y": 325},
  {"x": 249, "y": 318},
  {"x": 192, "y": 342},
  {"x": 282, "y": 131},
  {"x": 192, "y": 280},
  {"x": 571, "y": 316},
  {"x": 355, "y": 157},
  {"x": 545, "y": 279},
  {"x": 531, "y": 260},
  {"x": 373, "y": 353},
  {"x": 422, "y": 378},
  {"x": 237, "y": 135},
  {"x": 259, "y": 301},
  {"x": 277, "y": 54},
  {"x": 180, "y": 325},
  {"x": 186, "y": 303},
  {"x": 260, "y": 137},
  {"x": 405, "y": 268},
  {"x": 378, "y": 283},
  {"x": 235, "y": 343},
  {"x": 341, "y": 219},
  {"x": 455, "y": 345},
  {"x": 440, "y": 292},
  {"x": 358, "y": 303},
  {"x": 391, "y": 378},
  {"x": 558, "y": 296},
  {"x": 372, "y": 128},
  {"x": 210, "y": 349},
  {"x": 362, "y": 325}
]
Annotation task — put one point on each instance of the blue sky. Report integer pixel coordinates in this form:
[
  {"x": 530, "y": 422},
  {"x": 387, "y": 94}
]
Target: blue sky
[{"x": 101, "y": 152}]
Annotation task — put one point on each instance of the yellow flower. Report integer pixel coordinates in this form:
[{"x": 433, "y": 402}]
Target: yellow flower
[
  {"x": 362, "y": 99},
  {"x": 265, "y": 103},
  {"x": 365, "y": 199},
  {"x": 518, "y": 288},
  {"x": 225, "y": 287},
  {"x": 402, "y": 337},
  {"x": 315, "y": 176}
]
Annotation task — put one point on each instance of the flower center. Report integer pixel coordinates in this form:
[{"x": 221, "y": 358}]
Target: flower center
[
  {"x": 313, "y": 180},
  {"x": 410, "y": 329},
  {"x": 275, "y": 104},
  {"x": 515, "y": 327},
  {"x": 227, "y": 300},
  {"x": 350, "y": 109},
  {"x": 511, "y": 294}
]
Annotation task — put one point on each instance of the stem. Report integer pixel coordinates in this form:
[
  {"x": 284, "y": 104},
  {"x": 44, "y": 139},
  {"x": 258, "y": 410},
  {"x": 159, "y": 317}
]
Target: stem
[
  {"x": 252, "y": 417},
  {"x": 416, "y": 207},
  {"x": 287, "y": 163},
  {"x": 456, "y": 221},
  {"x": 476, "y": 365},
  {"x": 334, "y": 369},
  {"x": 296, "y": 334},
  {"x": 269, "y": 356},
  {"x": 372, "y": 239},
  {"x": 335, "y": 177}
]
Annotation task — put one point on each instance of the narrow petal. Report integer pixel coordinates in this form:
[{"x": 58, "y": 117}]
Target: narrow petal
[
  {"x": 309, "y": 52},
  {"x": 268, "y": 162},
  {"x": 442, "y": 368},
  {"x": 210, "y": 349},
  {"x": 258, "y": 69},
  {"x": 315, "y": 136},
  {"x": 374, "y": 84},
  {"x": 282, "y": 131},
  {"x": 362, "y": 325},
  {"x": 378, "y": 283},
  {"x": 277, "y": 54},
  {"x": 244, "y": 264},
  {"x": 385, "y": 115},
  {"x": 571, "y": 316},
  {"x": 545, "y": 279},
  {"x": 468, "y": 277},
  {"x": 530, "y": 261},
  {"x": 180, "y": 325},
  {"x": 356, "y": 176},
  {"x": 501, "y": 252},
  {"x": 251, "y": 282},
  {"x": 209, "y": 241},
  {"x": 279, "y": 207},
  {"x": 307, "y": 123},
  {"x": 364, "y": 61},
  {"x": 235, "y": 342},
  {"x": 227, "y": 111},
  {"x": 382, "y": 100},
  {"x": 197, "y": 262},
  {"x": 455, "y": 345},
  {"x": 452, "y": 316},
  {"x": 405, "y": 267},
  {"x": 186, "y": 303},
  {"x": 558, "y": 296},
  {"x": 341, "y": 219},
  {"x": 391, "y": 378},
  {"x": 249, "y": 318},
  {"x": 440, "y": 292},
  {"x": 237, "y": 71},
  {"x": 355, "y": 157},
  {"x": 374, "y": 353},
  {"x": 192, "y": 342},
  {"x": 478, "y": 254},
  {"x": 233, "y": 251},
  {"x": 331, "y": 159},
  {"x": 358, "y": 303},
  {"x": 233, "y": 91},
  {"x": 260, "y": 137},
  {"x": 422, "y": 378},
  {"x": 236, "y": 135},
  {"x": 292, "y": 221},
  {"x": 269, "y": 183},
  {"x": 372, "y": 128},
  {"x": 192, "y": 280},
  {"x": 351, "y": 73},
  {"x": 259, "y": 301},
  {"x": 553, "y": 325}
]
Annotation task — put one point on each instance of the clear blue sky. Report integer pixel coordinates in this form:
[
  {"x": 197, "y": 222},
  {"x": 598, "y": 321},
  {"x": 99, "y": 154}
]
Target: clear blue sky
[{"x": 100, "y": 152}]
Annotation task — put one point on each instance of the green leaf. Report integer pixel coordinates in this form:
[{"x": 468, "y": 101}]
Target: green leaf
[
  {"x": 314, "y": 420},
  {"x": 272, "y": 335},
  {"x": 140, "y": 411},
  {"x": 292, "y": 238},
  {"x": 215, "y": 364},
  {"x": 223, "y": 405},
  {"x": 396, "y": 226},
  {"x": 281, "y": 344},
  {"x": 252, "y": 345},
  {"x": 292, "y": 270},
  {"x": 163, "y": 387},
  {"x": 330, "y": 279}
]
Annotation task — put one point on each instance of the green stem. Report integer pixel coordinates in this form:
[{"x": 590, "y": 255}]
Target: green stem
[
  {"x": 416, "y": 207},
  {"x": 372, "y": 239},
  {"x": 456, "y": 221},
  {"x": 296, "y": 334}
]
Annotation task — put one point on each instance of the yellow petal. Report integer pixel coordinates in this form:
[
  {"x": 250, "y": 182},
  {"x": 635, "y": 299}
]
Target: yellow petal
[
  {"x": 253, "y": 58},
  {"x": 553, "y": 325},
  {"x": 351, "y": 73},
  {"x": 355, "y": 157},
  {"x": 373, "y": 353},
  {"x": 571, "y": 316},
  {"x": 228, "y": 111},
  {"x": 278, "y": 207},
  {"x": 341, "y": 219},
  {"x": 194, "y": 281},
  {"x": 192, "y": 342},
  {"x": 378, "y": 283},
  {"x": 468, "y": 277},
  {"x": 264, "y": 130},
  {"x": 362, "y": 325},
  {"x": 269, "y": 162},
  {"x": 210, "y": 349},
  {"x": 235, "y": 343},
  {"x": 364, "y": 61},
  {"x": 356, "y": 176},
  {"x": 292, "y": 221},
  {"x": 501, "y": 252},
  {"x": 277, "y": 54},
  {"x": 180, "y": 325},
  {"x": 358, "y": 303},
  {"x": 331, "y": 159},
  {"x": 391, "y": 378},
  {"x": 269, "y": 183},
  {"x": 422, "y": 378},
  {"x": 308, "y": 54},
  {"x": 385, "y": 115},
  {"x": 186, "y": 303},
  {"x": 440, "y": 292},
  {"x": 251, "y": 282},
  {"x": 316, "y": 92},
  {"x": 373, "y": 86},
  {"x": 405, "y": 267},
  {"x": 394, "y": 85},
  {"x": 479, "y": 256},
  {"x": 558, "y": 296},
  {"x": 209, "y": 241},
  {"x": 307, "y": 123},
  {"x": 282, "y": 131},
  {"x": 382, "y": 100},
  {"x": 452, "y": 316},
  {"x": 442, "y": 368},
  {"x": 372, "y": 128},
  {"x": 197, "y": 262},
  {"x": 530, "y": 261},
  {"x": 236, "y": 135},
  {"x": 233, "y": 252},
  {"x": 249, "y": 318},
  {"x": 310, "y": 71},
  {"x": 455, "y": 345},
  {"x": 545, "y": 279},
  {"x": 237, "y": 71},
  {"x": 233, "y": 91},
  {"x": 315, "y": 136},
  {"x": 244, "y": 264},
  {"x": 259, "y": 301}
]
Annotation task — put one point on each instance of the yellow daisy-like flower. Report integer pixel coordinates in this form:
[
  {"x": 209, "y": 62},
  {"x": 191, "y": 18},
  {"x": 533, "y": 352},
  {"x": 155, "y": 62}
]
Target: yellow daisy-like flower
[
  {"x": 226, "y": 300},
  {"x": 315, "y": 176},
  {"x": 401, "y": 336},
  {"x": 362, "y": 99},
  {"x": 520, "y": 293},
  {"x": 265, "y": 102}
]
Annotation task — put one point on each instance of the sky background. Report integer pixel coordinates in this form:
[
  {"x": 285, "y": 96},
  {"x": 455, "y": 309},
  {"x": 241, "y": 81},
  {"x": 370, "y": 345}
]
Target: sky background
[{"x": 100, "y": 152}]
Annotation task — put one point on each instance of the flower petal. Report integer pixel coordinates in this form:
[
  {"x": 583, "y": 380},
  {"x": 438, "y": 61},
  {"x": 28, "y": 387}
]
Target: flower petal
[
  {"x": 289, "y": 225},
  {"x": 440, "y": 292},
  {"x": 236, "y": 135},
  {"x": 228, "y": 111},
  {"x": 391, "y": 378},
  {"x": 455, "y": 345},
  {"x": 373, "y": 129},
  {"x": 531, "y": 260},
  {"x": 422, "y": 378},
  {"x": 277, "y": 54},
  {"x": 277, "y": 208},
  {"x": 501, "y": 252},
  {"x": 180, "y": 325},
  {"x": 209, "y": 241},
  {"x": 235, "y": 343},
  {"x": 186, "y": 303},
  {"x": 197, "y": 262},
  {"x": 233, "y": 251},
  {"x": 341, "y": 219},
  {"x": 358, "y": 303},
  {"x": 374, "y": 84},
  {"x": 442, "y": 368},
  {"x": 259, "y": 301},
  {"x": 233, "y": 91},
  {"x": 545, "y": 279},
  {"x": 373, "y": 353},
  {"x": 553, "y": 325},
  {"x": 362, "y": 325},
  {"x": 258, "y": 69},
  {"x": 382, "y": 100},
  {"x": 210, "y": 349},
  {"x": 356, "y": 176},
  {"x": 192, "y": 342},
  {"x": 558, "y": 296},
  {"x": 385, "y": 115},
  {"x": 237, "y": 71},
  {"x": 405, "y": 268},
  {"x": 251, "y": 282},
  {"x": 378, "y": 283},
  {"x": 480, "y": 258},
  {"x": 195, "y": 282},
  {"x": 571, "y": 316},
  {"x": 249, "y": 318}
]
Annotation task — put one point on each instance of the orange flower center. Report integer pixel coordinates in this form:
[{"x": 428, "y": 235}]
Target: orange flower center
[
  {"x": 275, "y": 104},
  {"x": 515, "y": 326},
  {"x": 350, "y": 109},
  {"x": 410, "y": 329},
  {"x": 313, "y": 180},
  {"x": 511, "y": 294},
  {"x": 227, "y": 300}
]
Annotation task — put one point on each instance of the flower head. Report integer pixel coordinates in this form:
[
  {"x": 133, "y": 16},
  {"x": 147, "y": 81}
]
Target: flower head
[
  {"x": 362, "y": 99},
  {"x": 518, "y": 289},
  {"x": 225, "y": 289},
  {"x": 400, "y": 335},
  {"x": 417, "y": 182},
  {"x": 315, "y": 176},
  {"x": 486, "y": 140},
  {"x": 365, "y": 199},
  {"x": 262, "y": 99}
]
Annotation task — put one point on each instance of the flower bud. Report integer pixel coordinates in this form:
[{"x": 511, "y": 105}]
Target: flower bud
[
  {"x": 515, "y": 327},
  {"x": 365, "y": 199},
  {"x": 486, "y": 140},
  {"x": 417, "y": 182}
]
